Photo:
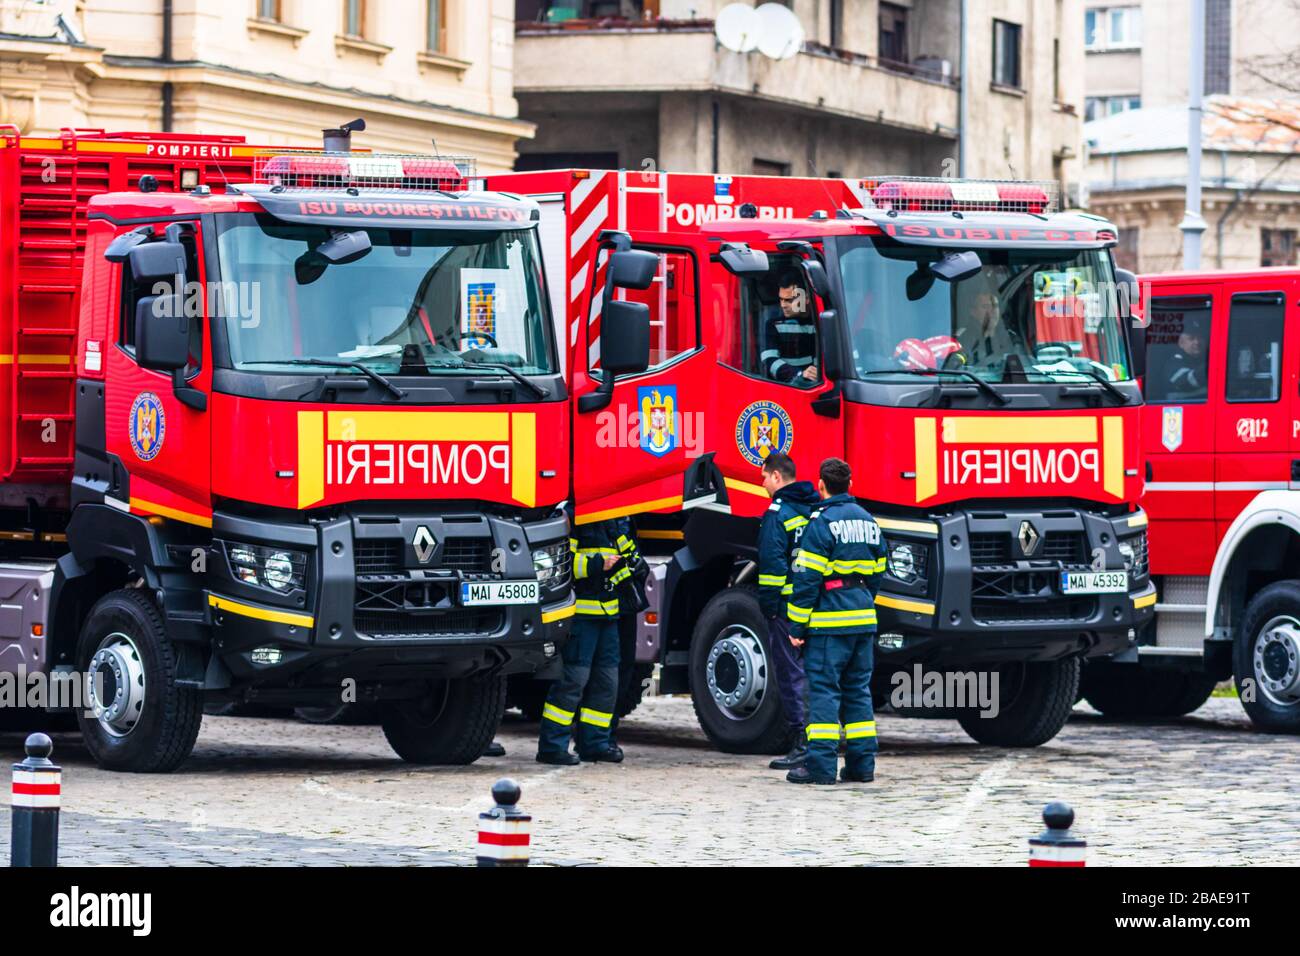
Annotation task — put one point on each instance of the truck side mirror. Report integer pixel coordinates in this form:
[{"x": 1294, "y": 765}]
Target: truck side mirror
[
  {"x": 633, "y": 269},
  {"x": 119, "y": 249},
  {"x": 162, "y": 333},
  {"x": 816, "y": 274},
  {"x": 832, "y": 345},
  {"x": 624, "y": 349},
  {"x": 157, "y": 262},
  {"x": 1126, "y": 291},
  {"x": 738, "y": 259}
]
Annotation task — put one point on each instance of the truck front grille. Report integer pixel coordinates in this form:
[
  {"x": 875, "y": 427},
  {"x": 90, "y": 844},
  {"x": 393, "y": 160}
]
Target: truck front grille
[
  {"x": 387, "y": 556},
  {"x": 1005, "y": 597},
  {"x": 996, "y": 548},
  {"x": 443, "y": 624}
]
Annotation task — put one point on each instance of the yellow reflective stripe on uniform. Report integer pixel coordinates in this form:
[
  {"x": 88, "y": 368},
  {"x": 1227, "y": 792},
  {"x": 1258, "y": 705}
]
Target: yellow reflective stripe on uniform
[
  {"x": 579, "y": 563},
  {"x": 865, "y": 568},
  {"x": 601, "y": 551},
  {"x": 594, "y": 717},
  {"x": 596, "y": 608},
  {"x": 798, "y": 521},
  {"x": 799, "y": 615},
  {"x": 625, "y": 544},
  {"x": 824, "y": 619},
  {"x": 863, "y": 728},
  {"x": 787, "y": 590},
  {"x": 771, "y": 580},
  {"x": 621, "y": 575},
  {"x": 560, "y": 716},
  {"x": 813, "y": 562},
  {"x": 823, "y": 731}
]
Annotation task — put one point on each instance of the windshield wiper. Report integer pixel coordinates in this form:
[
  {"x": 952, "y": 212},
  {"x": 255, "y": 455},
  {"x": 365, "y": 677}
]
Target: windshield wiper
[
  {"x": 1096, "y": 376},
  {"x": 983, "y": 386},
  {"x": 365, "y": 370},
  {"x": 514, "y": 373}
]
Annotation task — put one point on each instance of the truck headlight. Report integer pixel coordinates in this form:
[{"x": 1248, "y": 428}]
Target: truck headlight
[
  {"x": 1134, "y": 552},
  {"x": 907, "y": 562},
  {"x": 551, "y": 562},
  {"x": 278, "y": 569}
]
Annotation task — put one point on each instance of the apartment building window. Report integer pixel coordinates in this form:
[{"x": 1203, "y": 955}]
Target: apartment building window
[
  {"x": 893, "y": 33},
  {"x": 1113, "y": 28},
  {"x": 1278, "y": 247},
  {"x": 837, "y": 24},
  {"x": 1097, "y": 107},
  {"x": 1218, "y": 47},
  {"x": 269, "y": 10},
  {"x": 770, "y": 167},
  {"x": 437, "y": 39},
  {"x": 1006, "y": 53},
  {"x": 354, "y": 17}
]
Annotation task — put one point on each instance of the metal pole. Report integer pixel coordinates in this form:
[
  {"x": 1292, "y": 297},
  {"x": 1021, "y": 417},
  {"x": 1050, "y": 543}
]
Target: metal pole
[
  {"x": 963, "y": 101},
  {"x": 1193, "y": 224}
]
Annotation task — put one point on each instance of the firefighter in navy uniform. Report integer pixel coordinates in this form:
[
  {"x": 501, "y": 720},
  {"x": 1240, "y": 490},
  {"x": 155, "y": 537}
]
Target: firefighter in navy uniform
[
  {"x": 631, "y": 602},
  {"x": 778, "y": 538},
  {"x": 588, "y": 687},
  {"x": 833, "y": 616}
]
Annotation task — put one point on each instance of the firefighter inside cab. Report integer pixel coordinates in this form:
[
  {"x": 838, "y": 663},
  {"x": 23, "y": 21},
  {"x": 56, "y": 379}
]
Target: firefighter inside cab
[{"x": 789, "y": 343}]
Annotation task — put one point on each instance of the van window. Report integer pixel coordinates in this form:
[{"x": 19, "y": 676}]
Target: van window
[
  {"x": 1178, "y": 349},
  {"x": 1254, "y": 359}
]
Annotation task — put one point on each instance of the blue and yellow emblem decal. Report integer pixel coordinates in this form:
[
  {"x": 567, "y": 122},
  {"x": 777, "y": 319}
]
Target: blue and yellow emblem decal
[
  {"x": 659, "y": 411},
  {"x": 148, "y": 426},
  {"x": 763, "y": 428}
]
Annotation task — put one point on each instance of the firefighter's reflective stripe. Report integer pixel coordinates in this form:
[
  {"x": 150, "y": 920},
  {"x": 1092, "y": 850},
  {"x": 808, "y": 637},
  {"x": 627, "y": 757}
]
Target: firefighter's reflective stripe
[
  {"x": 823, "y": 731},
  {"x": 862, "y": 728},
  {"x": 626, "y": 545},
  {"x": 865, "y": 568},
  {"x": 560, "y": 716},
  {"x": 799, "y": 615},
  {"x": 795, "y": 523},
  {"x": 582, "y": 557},
  {"x": 771, "y": 580},
  {"x": 813, "y": 562},
  {"x": 596, "y": 608},
  {"x": 619, "y": 576},
  {"x": 594, "y": 717},
  {"x": 788, "y": 589},
  {"x": 828, "y": 619}
]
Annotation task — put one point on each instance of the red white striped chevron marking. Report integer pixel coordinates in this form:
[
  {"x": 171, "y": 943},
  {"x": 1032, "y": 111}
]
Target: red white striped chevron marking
[
  {"x": 502, "y": 839},
  {"x": 1041, "y": 854},
  {"x": 589, "y": 213},
  {"x": 39, "y": 789}
]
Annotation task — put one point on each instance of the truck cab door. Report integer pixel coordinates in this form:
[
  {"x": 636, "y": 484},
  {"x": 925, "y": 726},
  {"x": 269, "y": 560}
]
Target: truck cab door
[
  {"x": 1178, "y": 426},
  {"x": 633, "y": 454},
  {"x": 764, "y": 401},
  {"x": 1253, "y": 444},
  {"x": 157, "y": 424}
]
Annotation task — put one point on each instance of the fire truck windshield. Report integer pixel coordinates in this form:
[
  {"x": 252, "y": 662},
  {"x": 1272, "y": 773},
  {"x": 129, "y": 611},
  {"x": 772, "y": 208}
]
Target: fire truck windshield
[
  {"x": 1050, "y": 314},
  {"x": 454, "y": 301}
]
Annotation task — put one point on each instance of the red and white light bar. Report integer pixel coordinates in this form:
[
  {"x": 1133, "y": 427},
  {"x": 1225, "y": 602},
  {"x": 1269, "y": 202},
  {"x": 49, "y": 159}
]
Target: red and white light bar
[
  {"x": 365, "y": 171},
  {"x": 961, "y": 195}
]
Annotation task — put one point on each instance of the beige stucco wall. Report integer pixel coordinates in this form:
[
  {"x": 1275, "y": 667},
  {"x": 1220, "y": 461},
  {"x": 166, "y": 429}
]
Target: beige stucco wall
[{"x": 274, "y": 83}]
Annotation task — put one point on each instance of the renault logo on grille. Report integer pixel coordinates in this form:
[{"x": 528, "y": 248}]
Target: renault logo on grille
[
  {"x": 424, "y": 544},
  {"x": 1028, "y": 538}
]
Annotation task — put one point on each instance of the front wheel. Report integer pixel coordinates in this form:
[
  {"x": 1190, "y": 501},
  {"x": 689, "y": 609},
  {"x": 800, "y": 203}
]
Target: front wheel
[
  {"x": 1266, "y": 658},
  {"x": 733, "y": 683},
  {"x": 139, "y": 720},
  {"x": 1034, "y": 702},
  {"x": 451, "y": 723},
  {"x": 1136, "y": 691}
]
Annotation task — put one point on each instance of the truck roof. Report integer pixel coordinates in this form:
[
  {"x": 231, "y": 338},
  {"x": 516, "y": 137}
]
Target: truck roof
[{"x": 1219, "y": 274}]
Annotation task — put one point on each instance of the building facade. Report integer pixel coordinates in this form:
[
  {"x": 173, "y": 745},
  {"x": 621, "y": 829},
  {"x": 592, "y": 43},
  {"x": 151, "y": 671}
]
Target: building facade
[
  {"x": 277, "y": 71},
  {"x": 875, "y": 87},
  {"x": 1136, "y": 138}
]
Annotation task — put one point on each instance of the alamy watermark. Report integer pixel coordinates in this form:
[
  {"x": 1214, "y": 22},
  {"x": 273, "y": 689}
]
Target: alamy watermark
[{"x": 946, "y": 690}]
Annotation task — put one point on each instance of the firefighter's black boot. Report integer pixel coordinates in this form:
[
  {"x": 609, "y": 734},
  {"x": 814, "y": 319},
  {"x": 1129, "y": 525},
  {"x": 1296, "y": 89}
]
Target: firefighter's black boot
[{"x": 794, "y": 758}]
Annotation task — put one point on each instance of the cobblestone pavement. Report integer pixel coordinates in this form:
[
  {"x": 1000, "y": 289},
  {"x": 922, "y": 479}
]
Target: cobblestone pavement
[{"x": 1204, "y": 789}]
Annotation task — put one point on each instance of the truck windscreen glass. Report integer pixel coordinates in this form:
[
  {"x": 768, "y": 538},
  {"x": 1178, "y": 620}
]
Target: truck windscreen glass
[
  {"x": 446, "y": 299},
  {"x": 1051, "y": 314}
]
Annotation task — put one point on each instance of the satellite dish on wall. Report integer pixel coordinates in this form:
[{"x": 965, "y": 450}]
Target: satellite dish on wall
[
  {"x": 780, "y": 34},
  {"x": 737, "y": 27}
]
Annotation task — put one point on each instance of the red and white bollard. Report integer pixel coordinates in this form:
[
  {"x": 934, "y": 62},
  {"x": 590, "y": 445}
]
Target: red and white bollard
[
  {"x": 504, "y": 833},
  {"x": 1057, "y": 846},
  {"x": 34, "y": 820}
]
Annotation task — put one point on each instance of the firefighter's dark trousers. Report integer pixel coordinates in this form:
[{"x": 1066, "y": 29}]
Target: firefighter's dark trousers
[
  {"x": 586, "y": 690},
  {"x": 839, "y": 667},
  {"x": 789, "y": 672}
]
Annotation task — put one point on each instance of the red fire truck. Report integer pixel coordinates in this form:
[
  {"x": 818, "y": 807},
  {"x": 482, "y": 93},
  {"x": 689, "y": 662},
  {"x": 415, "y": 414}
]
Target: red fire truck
[
  {"x": 277, "y": 427},
  {"x": 974, "y": 369},
  {"x": 1222, "y": 442}
]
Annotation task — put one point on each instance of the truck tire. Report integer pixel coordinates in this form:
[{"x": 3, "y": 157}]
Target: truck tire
[
  {"x": 1135, "y": 691},
  {"x": 1035, "y": 700},
  {"x": 1266, "y": 658},
  {"x": 733, "y": 686},
  {"x": 144, "y": 723},
  {"x": 451, "y": 724}
]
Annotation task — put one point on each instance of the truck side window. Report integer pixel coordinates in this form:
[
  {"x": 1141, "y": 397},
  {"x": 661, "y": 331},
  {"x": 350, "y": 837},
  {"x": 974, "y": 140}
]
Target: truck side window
[
  {"x": 1254, "y": 359},
  {"x": 1178, "y": 343},
  {"x": 674, "y": 304},
  {"x": 779, "y": 336},
  {"x": 132, "y": 292}
]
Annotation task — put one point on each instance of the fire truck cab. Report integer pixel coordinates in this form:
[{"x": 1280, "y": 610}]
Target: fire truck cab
[
  {"x": 967, "y": 357},
  {"x": 276, "y": 429},
  {"x": 1221, "y": 435}
]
